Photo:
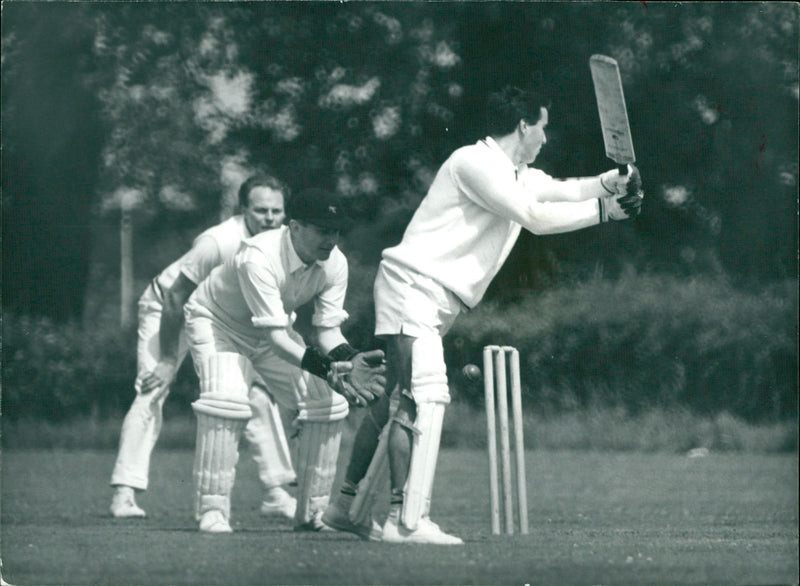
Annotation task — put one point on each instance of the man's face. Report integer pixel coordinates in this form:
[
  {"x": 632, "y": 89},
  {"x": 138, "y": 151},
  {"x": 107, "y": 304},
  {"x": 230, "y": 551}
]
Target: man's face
[
  {"x": 312, "y": 243},
  {"x": 264, "y": 209},
  {"x": 533, "y": 138}
]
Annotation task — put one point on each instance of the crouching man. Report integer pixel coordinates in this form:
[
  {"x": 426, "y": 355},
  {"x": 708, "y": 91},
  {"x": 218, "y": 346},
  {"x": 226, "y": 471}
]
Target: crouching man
[{"x": 239, "y": 325}]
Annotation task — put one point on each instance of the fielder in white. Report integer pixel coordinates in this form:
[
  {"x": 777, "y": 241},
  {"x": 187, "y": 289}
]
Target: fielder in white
[
  {"x": 239, "y": 326},
  {"x": 162, "y": 348},
  {"x": 457, "y": 240}
]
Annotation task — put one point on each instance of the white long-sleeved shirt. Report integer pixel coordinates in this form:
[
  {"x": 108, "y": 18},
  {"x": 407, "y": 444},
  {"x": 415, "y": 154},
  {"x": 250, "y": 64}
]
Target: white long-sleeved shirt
[{"x": 468, "y": 222}]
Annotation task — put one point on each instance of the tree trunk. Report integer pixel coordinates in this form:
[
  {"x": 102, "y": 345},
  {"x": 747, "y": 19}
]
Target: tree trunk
[{"x": 126, "y": 267}]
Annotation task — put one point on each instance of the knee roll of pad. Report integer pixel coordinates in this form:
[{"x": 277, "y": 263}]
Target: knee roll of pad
[
  {"x": 225, "y": 380},
  {"x": 333, "y": 408}
]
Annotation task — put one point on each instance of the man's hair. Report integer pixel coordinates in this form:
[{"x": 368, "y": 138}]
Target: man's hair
[
  {"x": 262, "y": 180},
  {"x": 508, "y": 106}
]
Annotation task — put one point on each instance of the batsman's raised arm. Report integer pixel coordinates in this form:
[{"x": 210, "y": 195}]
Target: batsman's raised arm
[{"x": 533, "y": 199}]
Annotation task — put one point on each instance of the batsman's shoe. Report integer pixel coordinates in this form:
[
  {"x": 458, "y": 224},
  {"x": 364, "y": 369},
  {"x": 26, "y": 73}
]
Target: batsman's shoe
[
  {"x": 123, "y": 504},
  {"x": 214, "y": 521},
  {"x": 337, "y": 517},
  {"x": 279, "y": 503},
  {"x": 427, "y": 532}
]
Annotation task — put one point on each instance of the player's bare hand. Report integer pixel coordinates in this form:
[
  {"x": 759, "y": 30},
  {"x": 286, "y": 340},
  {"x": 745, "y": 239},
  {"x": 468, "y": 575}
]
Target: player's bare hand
[{"x": 156, "y": 380}]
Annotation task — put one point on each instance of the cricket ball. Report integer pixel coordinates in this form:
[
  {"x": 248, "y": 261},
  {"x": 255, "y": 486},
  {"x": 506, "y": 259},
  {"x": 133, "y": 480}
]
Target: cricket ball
[{"x": 471, "y": 372}]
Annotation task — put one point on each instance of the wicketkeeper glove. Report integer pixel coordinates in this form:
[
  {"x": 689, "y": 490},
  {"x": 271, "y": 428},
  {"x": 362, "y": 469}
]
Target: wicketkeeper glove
[
  {"x": 368, "y": 376},
  {"x": 357, "y": 376}
]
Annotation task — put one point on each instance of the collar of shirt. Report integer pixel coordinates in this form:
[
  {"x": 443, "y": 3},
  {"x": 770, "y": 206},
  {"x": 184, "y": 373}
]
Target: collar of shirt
[
  {"x": 243, "y": 225},
  {"x": 495, "y": 148},
  {"x": 293, "y": 262}
]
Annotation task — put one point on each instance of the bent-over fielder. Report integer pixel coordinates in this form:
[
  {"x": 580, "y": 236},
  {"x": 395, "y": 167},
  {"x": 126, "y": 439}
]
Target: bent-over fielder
[{"x": 239, "y": 325}]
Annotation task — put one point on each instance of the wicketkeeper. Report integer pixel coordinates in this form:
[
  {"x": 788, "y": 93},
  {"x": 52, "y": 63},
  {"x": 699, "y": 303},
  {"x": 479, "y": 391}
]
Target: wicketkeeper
[
  {"x": 162, "y": 348},
  {"x": 239, "y": 326},
  {"x": 457, "y": 240}
]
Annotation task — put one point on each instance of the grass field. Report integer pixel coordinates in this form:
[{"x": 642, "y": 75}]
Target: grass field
[{"x": 596, "y": 518}]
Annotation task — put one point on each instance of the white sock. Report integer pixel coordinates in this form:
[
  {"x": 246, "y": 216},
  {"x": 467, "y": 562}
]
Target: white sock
[{"x": 123, "y": 490}]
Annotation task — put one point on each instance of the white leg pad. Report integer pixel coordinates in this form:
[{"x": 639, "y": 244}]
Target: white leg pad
[
  {"x": 222, "y": 412},
  {"x": 267, "y": 438},
  {"x": 317, "y": 454},
  {"x": 431, "y": 393},
  {"x": 320, "y": 422}
]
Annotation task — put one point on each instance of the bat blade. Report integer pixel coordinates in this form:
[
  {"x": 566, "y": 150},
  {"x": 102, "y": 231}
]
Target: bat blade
[{"x": 612, "y": 110}]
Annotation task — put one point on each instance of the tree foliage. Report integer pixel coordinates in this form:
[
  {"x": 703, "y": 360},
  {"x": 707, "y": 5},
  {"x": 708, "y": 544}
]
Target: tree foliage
[{"x": 368, "y": 98}]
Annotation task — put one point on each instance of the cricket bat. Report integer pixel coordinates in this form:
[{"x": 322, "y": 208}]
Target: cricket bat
[{"x": 613, "y": 113}]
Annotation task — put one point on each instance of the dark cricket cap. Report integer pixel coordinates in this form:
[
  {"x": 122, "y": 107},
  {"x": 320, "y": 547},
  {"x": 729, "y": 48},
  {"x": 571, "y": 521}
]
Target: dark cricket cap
[{"x": 319, "y": 207}]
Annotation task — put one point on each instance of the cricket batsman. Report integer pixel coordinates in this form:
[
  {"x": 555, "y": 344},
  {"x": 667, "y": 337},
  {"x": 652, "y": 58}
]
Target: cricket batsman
[
  {"x": 162, "y": 348},
  {"x": 239, "y": 325},
  {"x": 457, "y": 240}
]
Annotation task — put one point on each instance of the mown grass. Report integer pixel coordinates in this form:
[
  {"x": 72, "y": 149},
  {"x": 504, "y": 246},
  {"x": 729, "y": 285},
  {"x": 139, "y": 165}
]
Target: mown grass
[
  {"x": 607, "y": 429},
  {"x": 598, "y": 429},
  {"x": 595, "y": 518}
]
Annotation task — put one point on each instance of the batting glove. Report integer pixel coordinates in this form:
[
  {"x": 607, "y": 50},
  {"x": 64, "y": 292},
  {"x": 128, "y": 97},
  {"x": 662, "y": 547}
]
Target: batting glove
[{"x": 616, "y": 184}]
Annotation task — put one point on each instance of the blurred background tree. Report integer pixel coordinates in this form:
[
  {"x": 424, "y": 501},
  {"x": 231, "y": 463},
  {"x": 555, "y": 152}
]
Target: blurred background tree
[{"x": 171, "y": 105}]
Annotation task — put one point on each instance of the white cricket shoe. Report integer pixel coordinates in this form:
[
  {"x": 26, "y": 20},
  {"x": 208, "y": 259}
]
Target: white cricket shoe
[
  {"x": 279, "y": 503},
  {"x": 123, "y": 503},
  {"x": 214, "y": 521},
  {"x": 426, "y": 532},
  {"x": 337, "y": 517}
]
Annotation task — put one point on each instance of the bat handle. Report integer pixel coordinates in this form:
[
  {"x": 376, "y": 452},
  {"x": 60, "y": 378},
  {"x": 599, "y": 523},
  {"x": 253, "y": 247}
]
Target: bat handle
[{"x": 623, "y": 169}]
